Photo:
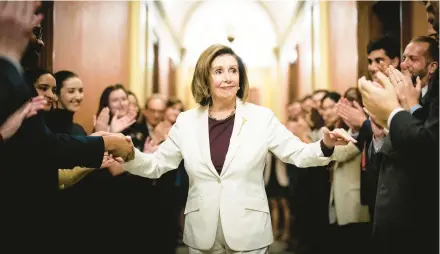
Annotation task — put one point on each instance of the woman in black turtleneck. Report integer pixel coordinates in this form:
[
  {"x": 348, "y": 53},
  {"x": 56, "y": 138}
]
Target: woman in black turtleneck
[
  {"x": 69, "y": 96},
  {"x": 69, "y": 90}
]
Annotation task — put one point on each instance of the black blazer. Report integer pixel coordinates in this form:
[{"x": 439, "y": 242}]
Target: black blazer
[
  {"x": 35, "y": 141},
  {"x": 407, "y": 203},
  {"x": 29, "y": 165},
  {"x": 369, "y": 175}
]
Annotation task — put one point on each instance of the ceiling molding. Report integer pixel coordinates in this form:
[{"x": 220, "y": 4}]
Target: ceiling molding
[
  {"x": 295, "y": 17},
  {"x": 196, "y": 5},
  {"x": 167, "y": 23}
]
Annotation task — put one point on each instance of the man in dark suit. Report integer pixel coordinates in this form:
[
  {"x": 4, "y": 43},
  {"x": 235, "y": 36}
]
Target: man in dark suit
[
  {"x": 384, "y": 51},
  {"x": 31, "y": 157},
  {"x": 406, "y": 214}
]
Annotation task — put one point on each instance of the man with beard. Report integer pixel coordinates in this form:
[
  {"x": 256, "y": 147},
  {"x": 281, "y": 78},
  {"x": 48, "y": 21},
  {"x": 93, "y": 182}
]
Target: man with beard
[
  {"x": 407, "y": 200},
  {"x": 406, "y": 208}
]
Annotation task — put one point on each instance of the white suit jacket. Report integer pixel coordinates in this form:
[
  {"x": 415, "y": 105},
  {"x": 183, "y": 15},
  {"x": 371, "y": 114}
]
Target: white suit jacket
[
  {"x": 237, "y": 195},
  {"x": 346, "y": 186}
]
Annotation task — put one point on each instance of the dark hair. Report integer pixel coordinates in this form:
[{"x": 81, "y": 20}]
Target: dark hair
[
  {"x": 200, "y": 85},
  {"x": 105, "y": 96},
  {"x": 432, "y": 8},
  {"x": 334, "y": 96},
  {"x": 353, "y": 94},
  {"x": 390, "y": 45},
  {"x": 174, "y": 101},
  {"x": 305, "y": 98},
  {"x": 134, "y": 95},
  {"x": 320, "y": 91},
  {"x": 31, "y": 75},
  {"x": 433, "y": 48},
  {"x": 61, "y": 76}
]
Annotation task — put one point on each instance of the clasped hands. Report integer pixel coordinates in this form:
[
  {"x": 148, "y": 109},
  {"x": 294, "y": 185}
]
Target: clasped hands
[
  {"x": 336, "y": 137},
  {"x": 393, "y": 89},
  {"x": 119, "y": 148}
]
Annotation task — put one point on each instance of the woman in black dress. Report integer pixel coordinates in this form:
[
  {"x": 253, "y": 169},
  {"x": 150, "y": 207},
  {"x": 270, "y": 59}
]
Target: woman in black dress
[{"x": 277, "y": 190}]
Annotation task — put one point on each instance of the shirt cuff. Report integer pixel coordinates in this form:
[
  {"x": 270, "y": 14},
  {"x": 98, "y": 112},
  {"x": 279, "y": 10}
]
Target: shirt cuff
[
  {"x": 414, "y": 108},
  {"x": 327, "y": 152},
  {"x": 395, "y": 111},
  {"x": 353, "y": 135},
  {"x": 377, "y": 143}
]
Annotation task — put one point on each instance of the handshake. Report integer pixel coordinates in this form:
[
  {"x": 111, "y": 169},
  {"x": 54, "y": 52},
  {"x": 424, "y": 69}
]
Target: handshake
[{"x": 118, "y": 146}]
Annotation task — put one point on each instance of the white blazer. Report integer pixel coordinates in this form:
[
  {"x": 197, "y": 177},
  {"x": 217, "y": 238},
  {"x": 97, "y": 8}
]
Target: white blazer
[
  {"x": 237, "y": 195},
  {"x": 346, "y": 187}
]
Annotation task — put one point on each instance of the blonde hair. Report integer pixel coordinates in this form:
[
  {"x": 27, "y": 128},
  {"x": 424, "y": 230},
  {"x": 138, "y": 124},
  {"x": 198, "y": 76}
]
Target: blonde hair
[{"x": 200, "y": 86}]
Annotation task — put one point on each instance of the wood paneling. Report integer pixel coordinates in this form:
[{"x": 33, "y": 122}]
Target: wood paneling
[
  {"x": 164, "y": 70},
  {"x": 156, "y": 68},
  {"x": 292, "y": 82},
  {"x": 45, "y": 60},
  {"x": 92, "y": 40},
  {"x": 367, "y": 29},
  {"x": 343, "y": 45},
  {"x": 305, "y": 59},
  {"x": 172, "y": 78}
]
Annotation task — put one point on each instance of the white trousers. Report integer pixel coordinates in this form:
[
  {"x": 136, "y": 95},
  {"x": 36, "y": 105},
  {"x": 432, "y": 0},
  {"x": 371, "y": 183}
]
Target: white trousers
[{"x": 220, "y": 246}]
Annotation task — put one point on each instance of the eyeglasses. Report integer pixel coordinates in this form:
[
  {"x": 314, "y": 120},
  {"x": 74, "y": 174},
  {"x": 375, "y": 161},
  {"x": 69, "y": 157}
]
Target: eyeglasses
[{"x": 38, "y": 32}]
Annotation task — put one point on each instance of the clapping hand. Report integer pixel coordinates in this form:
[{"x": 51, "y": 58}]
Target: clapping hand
[
  {"x": 100, "y": 123},
  {"x": 378, "y": 129},
  {"x": 118, "y": 124},
  {"x": 150, "y": 146},
  {"x": 408, "y": 93},
  {"x": 351, "y": 113},
  {"x": 380, "y": 99},
  {"x": 27, "y": 110}
]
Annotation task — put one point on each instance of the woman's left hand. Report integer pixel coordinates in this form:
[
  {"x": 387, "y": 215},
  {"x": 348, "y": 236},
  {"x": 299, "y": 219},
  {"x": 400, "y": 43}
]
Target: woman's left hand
[{"x": 336, "y": 137}]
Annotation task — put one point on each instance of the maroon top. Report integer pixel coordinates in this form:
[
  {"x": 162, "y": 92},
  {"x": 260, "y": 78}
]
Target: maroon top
[{"x": 220, "y": 132}]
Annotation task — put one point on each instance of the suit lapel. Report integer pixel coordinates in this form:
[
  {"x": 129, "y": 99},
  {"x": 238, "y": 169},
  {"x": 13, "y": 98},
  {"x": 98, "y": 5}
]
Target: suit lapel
[
  {"x": 235, "y": 141},
  {"x": 203, "y": 139}
]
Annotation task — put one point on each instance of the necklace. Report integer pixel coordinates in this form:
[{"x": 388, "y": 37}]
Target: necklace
[{"x": 232, "y": 113}]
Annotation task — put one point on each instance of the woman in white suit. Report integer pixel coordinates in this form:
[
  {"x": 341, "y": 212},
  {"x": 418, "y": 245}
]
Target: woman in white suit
[{"x": 224, "y": 143}]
